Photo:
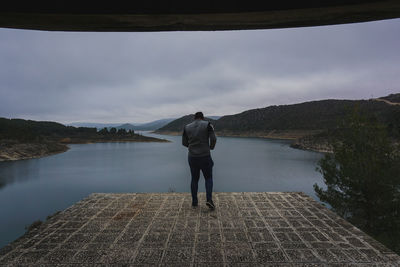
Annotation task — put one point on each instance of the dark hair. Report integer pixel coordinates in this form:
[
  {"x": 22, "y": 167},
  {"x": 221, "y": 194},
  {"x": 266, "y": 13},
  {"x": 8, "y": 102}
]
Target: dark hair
[{"x": 198, "y": 115}]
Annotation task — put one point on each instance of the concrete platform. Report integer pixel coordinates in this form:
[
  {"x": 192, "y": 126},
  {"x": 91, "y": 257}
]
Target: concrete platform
[{"x": 247, "y": 229}]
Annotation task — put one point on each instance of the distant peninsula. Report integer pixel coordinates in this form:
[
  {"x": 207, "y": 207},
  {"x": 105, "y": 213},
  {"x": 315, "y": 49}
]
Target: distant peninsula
[
  {"x": 148, "y": 126},
  {"x": 309, "y": 125},
  {"x": 26, "y": 139}
]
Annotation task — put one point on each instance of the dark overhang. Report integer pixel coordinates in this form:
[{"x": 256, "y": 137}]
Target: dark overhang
[{"x": 148, "y": 15}]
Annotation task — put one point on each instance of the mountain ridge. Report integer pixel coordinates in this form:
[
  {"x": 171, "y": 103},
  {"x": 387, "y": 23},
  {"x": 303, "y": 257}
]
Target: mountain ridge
[
  {"x": 178, "y": 124},
  {"x": 296, "y": 121},
  {"x": 146, "y": 126}
]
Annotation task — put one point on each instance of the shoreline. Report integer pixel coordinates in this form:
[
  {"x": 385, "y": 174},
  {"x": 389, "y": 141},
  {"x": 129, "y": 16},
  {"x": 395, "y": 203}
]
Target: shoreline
[
  {"x": 283, "y": 135},
  {"x": 14, "y": 151},
  {"x": 24, "y": 151},
  {"x": 295, "y": 136},
  {"x": 301, "y": 147}
]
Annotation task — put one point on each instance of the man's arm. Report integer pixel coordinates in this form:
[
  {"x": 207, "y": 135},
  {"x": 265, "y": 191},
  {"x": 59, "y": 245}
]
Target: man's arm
[
  {"x": 185, "y": 140},
  {"x": 211, "y": 134}
]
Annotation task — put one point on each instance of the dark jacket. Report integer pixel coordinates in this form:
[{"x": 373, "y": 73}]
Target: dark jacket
[{"x": 199, "y": 137}]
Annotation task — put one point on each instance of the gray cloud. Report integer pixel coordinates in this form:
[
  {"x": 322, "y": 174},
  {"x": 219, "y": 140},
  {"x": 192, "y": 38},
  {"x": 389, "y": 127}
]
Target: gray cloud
[{"x": 137, "y": 77}]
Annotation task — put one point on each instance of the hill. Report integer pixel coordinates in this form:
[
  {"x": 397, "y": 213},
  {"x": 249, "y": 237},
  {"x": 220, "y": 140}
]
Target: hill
[
  {"x": 303, "y": 118},
  {"x": 21, "y": 139},
  {"x": 126, "y": 126},
  {"x": 151, "y": 126},
  {"x": 307, "y": 123},
  {"x": 308, "y": 116},
  {"x": 214, "y": 117},
  {"x": 148, "y": 126},
  {"x": 176, "y": 126}
]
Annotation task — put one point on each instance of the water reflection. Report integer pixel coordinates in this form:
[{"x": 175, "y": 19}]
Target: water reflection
[{"x": 18, "y": 171}]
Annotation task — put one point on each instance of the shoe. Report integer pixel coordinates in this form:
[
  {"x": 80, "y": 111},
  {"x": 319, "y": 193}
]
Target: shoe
[
  {"x": 194, "y": 204},
  {"x": 210, "y": 204}
]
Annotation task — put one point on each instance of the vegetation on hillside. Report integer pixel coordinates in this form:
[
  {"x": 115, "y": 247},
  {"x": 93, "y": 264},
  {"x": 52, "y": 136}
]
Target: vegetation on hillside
[
  {"x": 362, "y": 178},
  {"x": 29, "y": 131},
  {"x": 314, "y": 121},
  {"x": 22, "y": 139},
  {"x": 315, "y": 115}
]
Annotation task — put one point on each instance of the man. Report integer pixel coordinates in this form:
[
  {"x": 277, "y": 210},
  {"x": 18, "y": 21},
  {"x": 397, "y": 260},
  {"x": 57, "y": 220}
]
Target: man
[{"x": 199, "y": 137}]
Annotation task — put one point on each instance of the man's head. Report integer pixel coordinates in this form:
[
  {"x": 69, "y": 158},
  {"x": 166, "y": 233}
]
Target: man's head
[{"x": 199, "y": 116}]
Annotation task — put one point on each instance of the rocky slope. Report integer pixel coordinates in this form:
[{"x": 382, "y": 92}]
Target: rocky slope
[
  {"x": 13, "y": 150},
  {"x": 314, "y": 143}
]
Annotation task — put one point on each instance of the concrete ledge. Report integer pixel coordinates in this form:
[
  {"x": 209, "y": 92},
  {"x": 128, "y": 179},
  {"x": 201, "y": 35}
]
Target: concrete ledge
[
  {"x": 192, "y": 16},
  {"x": 255, "y": 229}
]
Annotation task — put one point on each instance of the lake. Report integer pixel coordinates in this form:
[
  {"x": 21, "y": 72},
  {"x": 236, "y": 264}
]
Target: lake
[{"x": 33, "y": 189}]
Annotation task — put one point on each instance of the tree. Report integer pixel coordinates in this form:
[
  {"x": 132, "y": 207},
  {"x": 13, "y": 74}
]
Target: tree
[
  {"x": 113, "y": 130},
  {"x": 121, "y": 131},
  {"x": 104, "y": 131},
  {"x": 362, "y": 178}
]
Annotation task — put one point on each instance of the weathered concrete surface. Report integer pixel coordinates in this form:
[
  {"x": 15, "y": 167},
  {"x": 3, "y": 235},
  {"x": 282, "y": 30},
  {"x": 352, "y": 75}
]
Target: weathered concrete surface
[{"x": 254, "y": 229}]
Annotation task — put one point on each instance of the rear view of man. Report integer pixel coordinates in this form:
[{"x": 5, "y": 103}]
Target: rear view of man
[{"x": 199, "y": 137}]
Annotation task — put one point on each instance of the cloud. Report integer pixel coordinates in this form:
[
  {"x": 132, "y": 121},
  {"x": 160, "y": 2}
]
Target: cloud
[{"x": 138, "y": 77}]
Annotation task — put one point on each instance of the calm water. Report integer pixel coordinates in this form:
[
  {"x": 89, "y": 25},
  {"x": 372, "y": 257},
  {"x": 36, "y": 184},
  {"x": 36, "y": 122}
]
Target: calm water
[{"x": 33, "y": 189}]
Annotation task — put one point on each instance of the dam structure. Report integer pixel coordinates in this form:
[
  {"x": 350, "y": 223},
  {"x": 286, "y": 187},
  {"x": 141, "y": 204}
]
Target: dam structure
[{"x": 163, "y": 229}]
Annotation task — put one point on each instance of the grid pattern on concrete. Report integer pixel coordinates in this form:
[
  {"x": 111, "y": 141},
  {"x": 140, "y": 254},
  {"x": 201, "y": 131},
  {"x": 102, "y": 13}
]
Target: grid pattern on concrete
[{"x": 251, "y": 229}]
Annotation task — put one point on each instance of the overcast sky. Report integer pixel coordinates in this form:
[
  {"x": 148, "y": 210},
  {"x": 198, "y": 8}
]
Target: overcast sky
[{"x": 139, "y": 77}]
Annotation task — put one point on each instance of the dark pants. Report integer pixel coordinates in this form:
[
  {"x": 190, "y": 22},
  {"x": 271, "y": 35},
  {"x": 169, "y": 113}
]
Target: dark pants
[{"x": 204, "y": 164}]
